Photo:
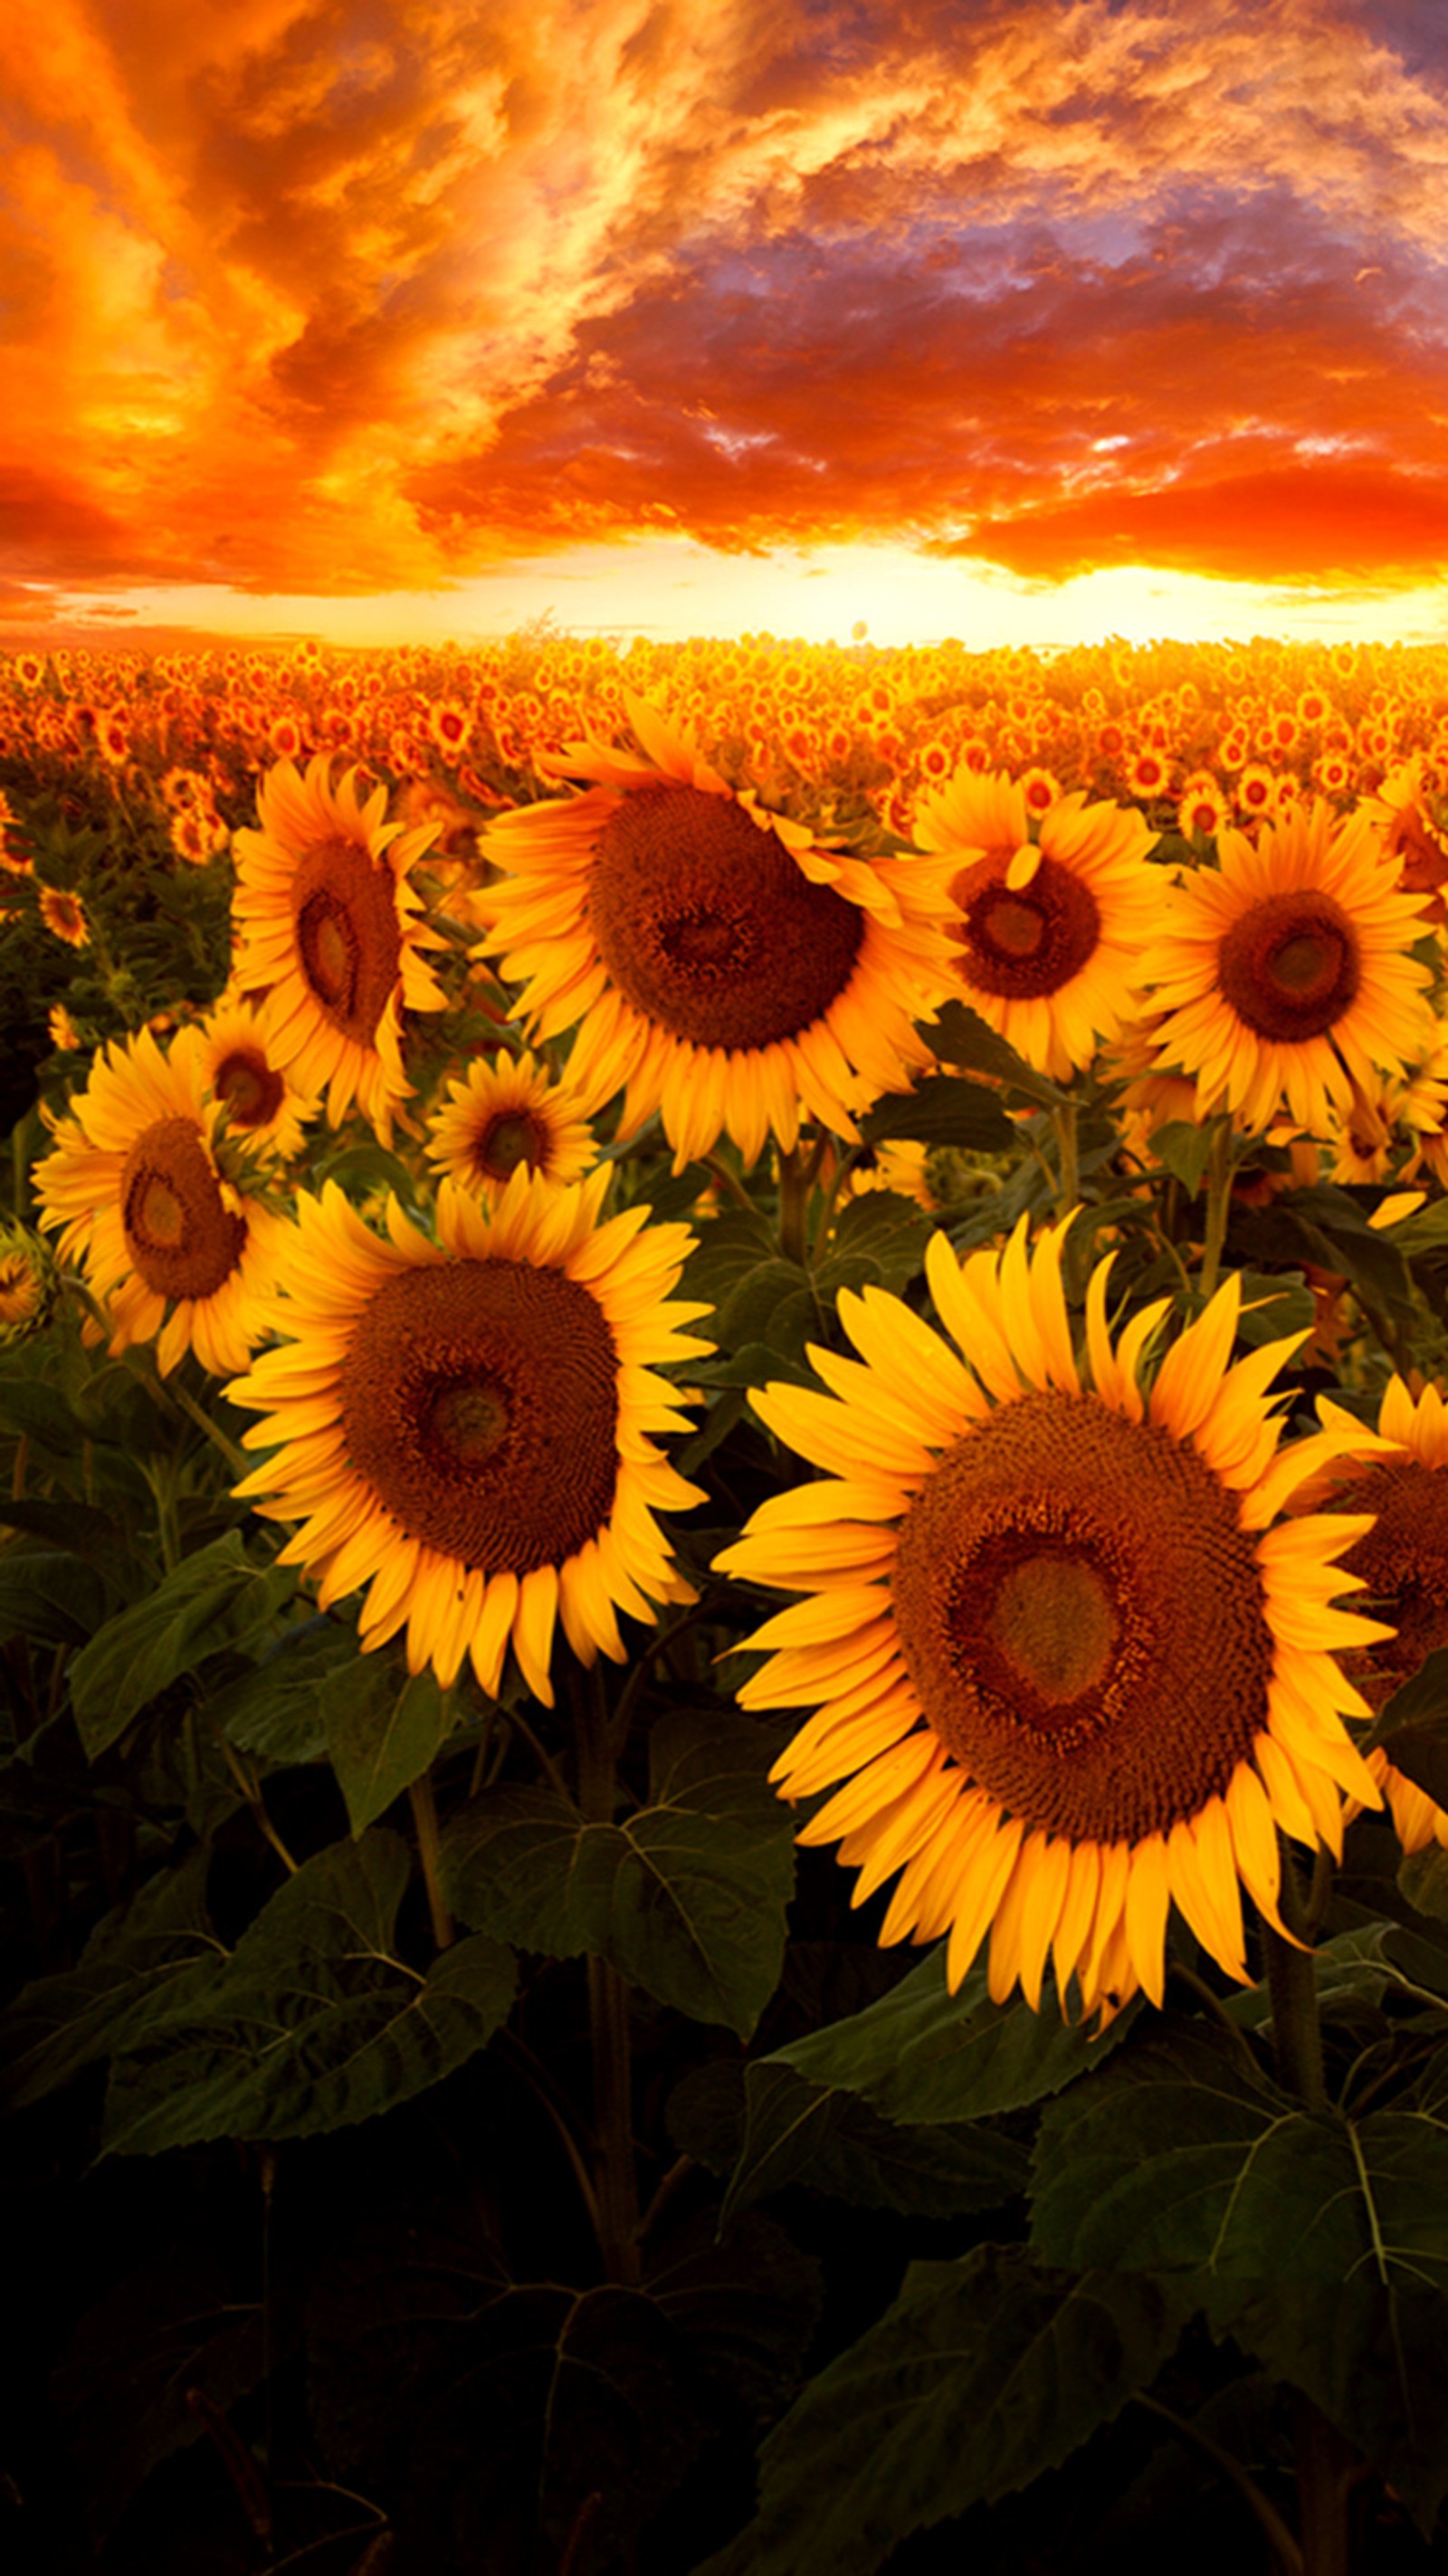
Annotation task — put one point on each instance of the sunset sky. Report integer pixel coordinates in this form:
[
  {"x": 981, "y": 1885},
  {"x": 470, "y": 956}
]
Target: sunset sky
[{"x": 392, "y": 320}]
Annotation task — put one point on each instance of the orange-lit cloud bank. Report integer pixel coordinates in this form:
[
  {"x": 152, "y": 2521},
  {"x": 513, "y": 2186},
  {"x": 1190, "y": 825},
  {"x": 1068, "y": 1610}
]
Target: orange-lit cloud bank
[{"x": 349, "y": 297}]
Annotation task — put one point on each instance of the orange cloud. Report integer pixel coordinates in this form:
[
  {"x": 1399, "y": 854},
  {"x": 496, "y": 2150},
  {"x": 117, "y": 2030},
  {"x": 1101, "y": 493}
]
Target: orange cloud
[{"x": 344, "y": 298}]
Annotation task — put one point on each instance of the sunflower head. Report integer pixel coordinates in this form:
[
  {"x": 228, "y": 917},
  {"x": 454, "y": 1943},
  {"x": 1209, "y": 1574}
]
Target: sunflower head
[
  {"x": 464, "y": 1421},
  {"x": 328, "y": 924},
  {"x": 728, "y": 969},
  {"x": 178, "y": 1244},
  {"x": 1048, "y": 924},
  {"x": 1068, "y": 1670},
  {"x": 506, "y": 1113},
  {"x": 1285, "y": 975}
]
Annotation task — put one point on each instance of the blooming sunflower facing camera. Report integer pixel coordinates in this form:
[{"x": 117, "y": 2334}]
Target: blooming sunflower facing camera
[
  {"x": 164, "y": 1212},
  {"x": 1067, "y": 1670},
  {"x": 1047, "y": 933},
  {"x": 723, "y": 968},
  {"x": 1285, "y": 976},
  {"x": 328, "y": 926},
  {"x": 464, "y": 1425},
  {"x": 505, "y": 1113}
]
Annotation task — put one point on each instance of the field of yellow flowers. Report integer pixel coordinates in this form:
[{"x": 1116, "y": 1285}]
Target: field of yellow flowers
[{"x": 724, "y": 1607}]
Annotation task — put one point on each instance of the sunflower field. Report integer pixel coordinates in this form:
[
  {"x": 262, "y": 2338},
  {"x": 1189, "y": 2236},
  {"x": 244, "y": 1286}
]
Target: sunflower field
[{"x": 724, "y": 1609}]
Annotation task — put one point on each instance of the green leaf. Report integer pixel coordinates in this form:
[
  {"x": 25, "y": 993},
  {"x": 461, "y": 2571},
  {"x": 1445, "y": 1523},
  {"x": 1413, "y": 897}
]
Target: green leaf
[
  {"x": 214, "y": 1599},
  {"x": 1424, "y": 1881},
  {"x": 313, "y": 2023},
  {"x": 687, "y": 1896},
  {"x": 1320, "y": 2242},
  {"x": 50, "y": 1596},
  {"x": 80, "y": 1531},
  {"x": 1272, "y": 1307},
  {"x": 1184, "y": 1149},
  {"x": 961, "y": 1036},
  {"x": 878, "y": 1241},
  {"x": 275, "y": 1710},
  {"x": 1412, "y": 1728},
  {"x": 801, "y": 2132},
  {"x": 942, "y": 1110},
  {"x": 760, "y": 1364},
  {"x": 379, "y": 1738},
  {"x": 149, "y": 1951},
  {"x": 35, "y": 1411},
  {"x": 983, "y": 2374},
  {"x": 923, "y": 2054}
]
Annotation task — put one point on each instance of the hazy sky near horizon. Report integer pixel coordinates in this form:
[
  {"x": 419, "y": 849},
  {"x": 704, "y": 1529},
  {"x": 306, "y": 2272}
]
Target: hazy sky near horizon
[{"x": 381, "y": 318}]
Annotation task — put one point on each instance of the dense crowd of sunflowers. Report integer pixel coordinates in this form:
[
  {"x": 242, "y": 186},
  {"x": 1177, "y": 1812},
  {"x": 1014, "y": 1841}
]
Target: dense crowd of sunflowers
[{"x": 1068, "y": 1617}]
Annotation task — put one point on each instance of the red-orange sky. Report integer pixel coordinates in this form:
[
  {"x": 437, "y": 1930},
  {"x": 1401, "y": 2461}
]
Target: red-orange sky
[{"x": 309, "y": 305}]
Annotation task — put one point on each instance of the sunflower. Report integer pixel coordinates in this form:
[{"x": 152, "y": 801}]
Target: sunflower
[
  {"x": 176, "y": 1243},
  {"x": 1402, "y": 1563},
  {"x": 1409, "y": 836},
  {"x": 326, "y": 921},
  {"x": 1047, "y": 933},
  {"x": 505, "y": 1113},
  {"x": 241, "y": 1066},
  {"x": 64, "y": 916},
  {"x": 724, "y": 968},
  {"x": 463, "y": 1424},
  {"x": 1068, "y": 1671},
  {"x": 1284, "y": 976}
]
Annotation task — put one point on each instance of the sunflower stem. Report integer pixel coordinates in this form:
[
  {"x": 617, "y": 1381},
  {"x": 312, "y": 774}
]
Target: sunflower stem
[
  {"x": 235, "y": 1458},
  {"x": 794, "y": 1189},
  {"x": 1219, "y": 1202},
  {"x": 615, "y": 2170},
  {"x": 424, "y": 1817},
  {"x": 1269, "y": 2521},
  {"x": 1064, "y": 1121}
]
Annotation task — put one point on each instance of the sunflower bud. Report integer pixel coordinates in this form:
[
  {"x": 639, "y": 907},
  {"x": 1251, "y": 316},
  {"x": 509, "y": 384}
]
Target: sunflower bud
[{"x": 29, "y": 1284}]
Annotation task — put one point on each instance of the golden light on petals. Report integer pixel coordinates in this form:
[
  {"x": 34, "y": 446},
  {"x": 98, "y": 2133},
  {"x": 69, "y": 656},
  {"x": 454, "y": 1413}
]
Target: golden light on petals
[
  {"x": 1047, "y": 933},
  {"x": 327, "y": 924},
  {"x": 1069, "y": 1668},
  {"x": 1284, "y": 978},
  {"x": 464, "y": 1424},
  {"x": 506, "y": 1113},
  {"x": 177, "y": 1252},
  {"x": 722, "y": 966}
]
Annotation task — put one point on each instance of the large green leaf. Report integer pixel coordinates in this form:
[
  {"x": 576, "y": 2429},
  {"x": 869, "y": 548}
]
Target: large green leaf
[
  {"x": 960, "y": 1036},
  {"x": 50, "y": 1596},
  {"x": 381, "y": 1737},
  {"x": 983, "y": 2374},
  {"x": 148, "y": 1952},
  {"x": 878, "y": 1241},
  {"x": 276, "y": 1709},
  {"x": 217, "y": 1598},
  {"x": 1320, "y": 2241},
  {"x": 942, "y": 1110},
  {"x": 313, "y": 2022},
  {"x": 923, "y": 2054},
  {"x": 796, "y": 2131},
  {"x": 686, "y": 1896}
]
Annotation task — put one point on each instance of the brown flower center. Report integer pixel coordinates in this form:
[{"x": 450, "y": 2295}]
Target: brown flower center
[
  {"x": 349, "y": 943},
  {"x": 1403, "y": 1562},
  {"x": 251, "y": 1090},
  {"x": 1084, "y": 1619},
  {"x": 480, "y": 1401},
  {"x": 510, "y": 1137},
  {"x": 1022, "y": 944},
  {"x": 181, "y": 1236},
  {"x": 707, "y": 926},
  {"x": 1289, "y": 965}
]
